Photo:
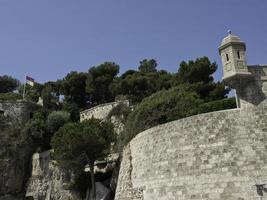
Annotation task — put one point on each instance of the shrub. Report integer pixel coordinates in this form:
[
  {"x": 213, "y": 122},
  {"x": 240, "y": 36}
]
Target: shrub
[
  {"x": 10, "y": 96},
  {"x": 121, "y": 111},
  {"x": 56, "y": 119},
  {"x": 161, "y": 107},
  {"x": 166, "y": 106}
]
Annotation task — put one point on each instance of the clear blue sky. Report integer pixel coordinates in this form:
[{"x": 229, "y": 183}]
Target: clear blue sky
[{"x": 46, "y": 39}]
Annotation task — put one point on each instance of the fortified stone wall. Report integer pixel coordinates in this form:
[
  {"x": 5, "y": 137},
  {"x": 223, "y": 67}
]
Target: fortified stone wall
[
  {"x": 100, "y": 111},
  {"x": 219, "y": 155},
  {"x": 19, "y": 110}
]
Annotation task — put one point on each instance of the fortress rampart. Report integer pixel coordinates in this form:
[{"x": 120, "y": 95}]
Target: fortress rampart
[
  {"x": 214, "y": 156},
  {"x": 19, "y": 110},
  {"x": 219, "y": 155},
  {"x": 100, "y": 111}
]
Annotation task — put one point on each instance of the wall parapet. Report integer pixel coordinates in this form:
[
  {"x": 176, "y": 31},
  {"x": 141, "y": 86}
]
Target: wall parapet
[
  {"x": 217, "y": 155},
  {"x": 100, "y": 111}
]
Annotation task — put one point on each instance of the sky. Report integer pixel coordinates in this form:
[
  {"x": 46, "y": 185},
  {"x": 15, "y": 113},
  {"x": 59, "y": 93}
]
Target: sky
[{"x": 46, "y": 39}]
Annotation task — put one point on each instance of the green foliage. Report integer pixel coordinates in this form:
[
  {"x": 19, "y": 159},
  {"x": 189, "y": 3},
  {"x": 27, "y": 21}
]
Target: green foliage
[
  {"x": 73, "y": 109},
  {"x": 32, "y": 93},
  {"x": 56, "y": 119},
  {"x": 10, "y": 96},
  {"x": 161, "y": 107},
  {"x": 136, "y": 86},
  {"x": 208, "y": 91},
  {"x": 221, "y": 104},
  {"x": 35, "y": 130},
  {"x": 147, "y": 66},
  {"x": 99, "y": 82},
  {"x": 90, "y": 138},
  {"x": 50, "y": 95},
  {"x": 73, "y": 87},
  {"x": 166, "y": 106},
  {"x": 121, "y": 111},
  {"x": 199, "y": 70},
  {"x": 78, "y": 144},
  {"x": 8, "y": 84}
]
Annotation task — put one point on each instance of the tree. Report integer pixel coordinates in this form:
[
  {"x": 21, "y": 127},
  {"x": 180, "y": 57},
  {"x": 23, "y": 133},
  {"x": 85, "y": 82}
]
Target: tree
[
  {"x": 80, "y": 144},
  {"x": 147, "y": 66},
  {"x": 198, "y": 76},
  {"x": 50, "y": 95},
  {"x": 8, "y": 84},
  {"x": 136, "y": 85},
  {"x": 99, "y": 82},
  {"x": 73, "y": 87},
  {"x": 35, "y": 130},
  {"x": 32, "y": 93},
  {"x": 55, "y": 120},
  {"x": 200, "y": 70}
]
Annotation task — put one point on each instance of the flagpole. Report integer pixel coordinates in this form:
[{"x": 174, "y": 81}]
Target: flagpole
[{"x": 24, "y": 91}]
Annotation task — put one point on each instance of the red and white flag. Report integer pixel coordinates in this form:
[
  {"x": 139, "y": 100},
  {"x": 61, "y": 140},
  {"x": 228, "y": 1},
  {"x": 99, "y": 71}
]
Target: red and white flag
[{"x": 30, "y": 81}]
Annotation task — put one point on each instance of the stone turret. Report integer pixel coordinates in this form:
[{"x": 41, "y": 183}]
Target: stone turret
[
  {"x": 233, "y": 53},
  {"x": 250, "y": 82}
]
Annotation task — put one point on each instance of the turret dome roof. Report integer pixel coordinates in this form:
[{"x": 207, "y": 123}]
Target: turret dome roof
[{"x": 231, "y": 39}]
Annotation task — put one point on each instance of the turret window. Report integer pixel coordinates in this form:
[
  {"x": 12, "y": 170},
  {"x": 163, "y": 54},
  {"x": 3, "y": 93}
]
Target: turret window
[
  {"x": 227, "y": 57},
  {"x": 238, "y": 55}
]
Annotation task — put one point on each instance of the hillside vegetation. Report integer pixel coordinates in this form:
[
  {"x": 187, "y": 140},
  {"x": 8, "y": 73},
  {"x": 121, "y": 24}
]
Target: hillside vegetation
[{"x": 156, "y": 97}]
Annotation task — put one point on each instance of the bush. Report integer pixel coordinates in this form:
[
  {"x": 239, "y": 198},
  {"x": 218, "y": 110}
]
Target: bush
[
  {"x": 10, "y": 96},
  {"x": 57, "y": 119},
  {"x": 161, "y": 107},
  {"x": 121, "y": 111},
  {"x": 166, "y": 106}
]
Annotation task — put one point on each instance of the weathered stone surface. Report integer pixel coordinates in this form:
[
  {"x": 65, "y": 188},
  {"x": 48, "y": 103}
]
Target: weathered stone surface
[
  {"x": 48, "y": 181},
  {"x": 19, "y": 110},
  {"x": 100, "y": 111},
  {"x": 219, "y": 155}
]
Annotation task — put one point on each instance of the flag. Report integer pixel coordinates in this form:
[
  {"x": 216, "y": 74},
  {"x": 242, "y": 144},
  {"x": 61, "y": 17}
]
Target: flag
[{"x": 30, "y": 81}]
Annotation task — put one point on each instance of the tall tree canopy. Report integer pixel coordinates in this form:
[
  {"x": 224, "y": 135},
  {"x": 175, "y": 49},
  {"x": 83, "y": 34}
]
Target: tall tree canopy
[
  {"x": 200, "y": 70},
  {"x": 78, "y": 144},
  {"x": 73, "y": 87},
  {"x": 147, "y": 66},
  {"x": 8, "y": 84},
  {"x": 99, "y": 81}
]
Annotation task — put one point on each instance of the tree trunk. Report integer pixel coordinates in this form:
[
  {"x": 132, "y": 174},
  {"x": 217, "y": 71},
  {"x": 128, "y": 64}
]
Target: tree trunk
[{"x": 91, "y": 165}]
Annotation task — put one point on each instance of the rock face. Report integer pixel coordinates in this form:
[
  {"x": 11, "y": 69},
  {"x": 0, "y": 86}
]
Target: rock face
[
  {"x": 14, "y": 165},
  {"x": 48, "y": 181},
  {"x": 15, "y": 151}
]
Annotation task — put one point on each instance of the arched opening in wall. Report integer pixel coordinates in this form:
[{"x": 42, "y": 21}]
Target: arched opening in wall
[{"x": 2, "y": 112}]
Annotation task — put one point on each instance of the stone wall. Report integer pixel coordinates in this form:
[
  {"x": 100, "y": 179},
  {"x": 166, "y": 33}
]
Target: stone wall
[
  {"x": 19, "y": 110},
  {"x": 48, "y": 181},
  {"x": 220, "y": 155},
  {"x": 100, "y": 111},
  {"x": 212, "y": 156}
]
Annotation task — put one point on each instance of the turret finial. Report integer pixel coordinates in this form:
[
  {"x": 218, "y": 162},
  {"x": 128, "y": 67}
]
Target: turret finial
[{"x": 229, "y": 32}]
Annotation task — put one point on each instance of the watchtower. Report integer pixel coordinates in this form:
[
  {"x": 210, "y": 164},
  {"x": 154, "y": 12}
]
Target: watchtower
[
  {"x": 233, "y": 53},
  {"x": 249, "y": 81}
]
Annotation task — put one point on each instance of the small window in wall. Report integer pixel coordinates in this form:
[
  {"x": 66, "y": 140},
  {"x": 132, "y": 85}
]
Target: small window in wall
[
  {"x": 238, "y": 54},
  {"x": 31, "y": 115},
  {"x": 227, "y": 57},
  {"x": 2, "y": 112}
]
